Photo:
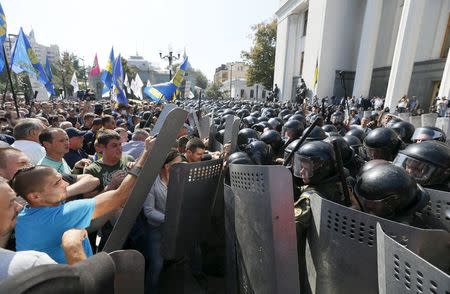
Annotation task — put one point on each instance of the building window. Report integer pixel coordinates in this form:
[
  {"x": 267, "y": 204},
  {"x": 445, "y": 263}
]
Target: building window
[
  {"x": 242, "y": 93},
  {"x": 302, "y": 56},
  {"x": 264, "y": 94},
  {"x": 252, "y": 93},
  {"x": 305, "y": 22},
  {"x": 446, "y": 44}
]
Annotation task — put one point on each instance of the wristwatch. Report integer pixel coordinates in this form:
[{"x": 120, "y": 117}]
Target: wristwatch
[{"x": 135, "y": 171}]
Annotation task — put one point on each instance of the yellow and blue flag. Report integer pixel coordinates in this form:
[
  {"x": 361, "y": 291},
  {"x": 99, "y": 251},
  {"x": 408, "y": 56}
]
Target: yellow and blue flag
[
  {"x": 107, "y": 73},
  {"x": 23, "y": 58},
  {"x": 48, "y": 71},
  {"x": 167, "y": 91},
  {"x": 118, "y": 75},
  {"x": 3, "y": 27}
]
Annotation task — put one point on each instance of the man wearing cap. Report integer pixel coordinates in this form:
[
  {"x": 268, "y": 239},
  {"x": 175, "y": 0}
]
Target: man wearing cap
[{"x": 76, "y": 153}]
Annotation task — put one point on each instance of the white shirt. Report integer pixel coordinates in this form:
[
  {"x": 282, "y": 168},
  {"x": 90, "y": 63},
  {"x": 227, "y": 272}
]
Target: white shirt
[
  {"x": 33, "y": 150},
  {"x": 12, "y": 263}
]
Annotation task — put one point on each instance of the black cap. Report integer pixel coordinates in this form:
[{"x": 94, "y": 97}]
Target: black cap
[{"x": 74, "y": 132}]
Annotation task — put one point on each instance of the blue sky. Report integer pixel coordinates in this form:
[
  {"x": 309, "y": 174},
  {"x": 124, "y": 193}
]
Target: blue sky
[{"x": 213, "y": 32}]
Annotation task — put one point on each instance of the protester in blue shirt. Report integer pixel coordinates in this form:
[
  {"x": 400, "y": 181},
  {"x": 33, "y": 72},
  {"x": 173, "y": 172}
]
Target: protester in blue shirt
[{"x": 43, "y": 221}]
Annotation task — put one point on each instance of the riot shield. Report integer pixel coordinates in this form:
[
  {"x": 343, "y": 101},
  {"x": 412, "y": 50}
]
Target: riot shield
[
  {"x": 170, "y": 126},
  {"x": 213, "y": 145},
  {"x": 266, "y": 242},
  {"x": 231, "y": 131},
  {"x": 230, "y": 240},
  {"x": 130, "y": 271},
  {"x": 341, "y": 247},
  {"x": 162, "y": 118},
  {"x": 190, "y": 196},
  {"x": 402, "y": 271},
  {"x": 203, "y": 126},
  {"x": 437, "y": 213}
]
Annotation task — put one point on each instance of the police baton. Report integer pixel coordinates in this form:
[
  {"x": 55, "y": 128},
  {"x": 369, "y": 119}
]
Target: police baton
[
  {"x": 340, "y": 170},
  {"x": 301, "y": 141}
]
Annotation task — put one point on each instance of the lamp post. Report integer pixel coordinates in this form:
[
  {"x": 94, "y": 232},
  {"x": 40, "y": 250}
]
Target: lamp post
[
  {"x": 84, "y": 74},
  {"x": 231, "y": 77},
  {"x": 170, "y": 57}
]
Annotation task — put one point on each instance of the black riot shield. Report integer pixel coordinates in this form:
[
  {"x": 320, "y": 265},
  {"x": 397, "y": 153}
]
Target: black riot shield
[
  {"x": 231, "y": 131},
  {"x": 213, "y": 144},
  {"x": 230, "y": 240},
  {"x": 266, "y": 242},
  {"x": 341, "y": 247},
  {"x": 130, "y": 271},
  {"x": 190, "y": 196},
  {"x": 165, "y": 140},
  {"x": 402, "y": 271},
  {"x": 437, "y": 213}
]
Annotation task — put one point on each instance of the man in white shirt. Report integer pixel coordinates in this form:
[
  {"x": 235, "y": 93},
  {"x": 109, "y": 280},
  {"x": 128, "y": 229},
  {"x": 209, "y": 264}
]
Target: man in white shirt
[{"x": 27, "y": 133}]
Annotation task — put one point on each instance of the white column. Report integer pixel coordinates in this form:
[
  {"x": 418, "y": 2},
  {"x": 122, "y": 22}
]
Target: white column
[
  {"x": 444, "y": 89},
  {"x": 405, "y": 51},
  {"x": 367, "y": 46}
]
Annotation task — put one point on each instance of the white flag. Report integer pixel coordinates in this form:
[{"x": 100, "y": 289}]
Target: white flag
[
  {"x": 126, "y": 84},
  {"x": 74, "y": 83},
  {"x": 149, "y": 83},
  {"x": 137, "y": 89}
]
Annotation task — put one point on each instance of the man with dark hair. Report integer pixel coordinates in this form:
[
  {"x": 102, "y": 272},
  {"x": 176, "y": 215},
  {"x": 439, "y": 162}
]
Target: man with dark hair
[
  {"x": 42, "y": 223},
  {"x": 194, "y": 150},
  {"x": 110, "y": 169},
  {"x": 76, "y": 153},
  {"x": 27, "y": 133},
  {"x": 108, "y": 122},
  {"x": 56, "y": 144},
  {"x": 91, "y": 135},
  {"x": 88, "y": 120}
]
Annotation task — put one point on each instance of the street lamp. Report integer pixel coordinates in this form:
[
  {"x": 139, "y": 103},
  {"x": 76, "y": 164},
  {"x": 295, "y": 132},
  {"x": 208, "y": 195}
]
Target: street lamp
[
  {"x": 84, "y": 73},
  {"x": 170, "y": 57},
  {"x": 231, "y": 77}
]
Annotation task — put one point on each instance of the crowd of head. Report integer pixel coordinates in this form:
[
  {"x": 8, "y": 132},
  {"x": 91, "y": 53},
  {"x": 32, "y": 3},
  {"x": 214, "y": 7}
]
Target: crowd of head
[{"x": 66, "y": 163}]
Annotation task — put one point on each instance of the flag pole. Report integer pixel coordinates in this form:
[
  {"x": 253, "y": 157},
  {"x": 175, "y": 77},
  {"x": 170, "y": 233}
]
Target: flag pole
[{"x": 8, "y": 70}]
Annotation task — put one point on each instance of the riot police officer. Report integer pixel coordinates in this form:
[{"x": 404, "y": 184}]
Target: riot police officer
[
  {"x": 351, "y": 160},
  {"x": 387, "y": 191},
  {"x": 428, "y": 163},
  {"x": 382, "y": 143},
  {"x": 273, "y": 138},
  {"x": 337, "y": 119}
]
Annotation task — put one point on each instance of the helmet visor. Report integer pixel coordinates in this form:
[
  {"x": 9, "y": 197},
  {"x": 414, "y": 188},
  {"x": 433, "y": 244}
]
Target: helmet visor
[
  {"x": 303, "y": 167},
  {"x": 419, "y": 170},
  {"x": 378, "y": 153}
]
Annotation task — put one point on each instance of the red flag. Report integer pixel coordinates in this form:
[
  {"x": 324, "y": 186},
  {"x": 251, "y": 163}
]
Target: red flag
[{"x": 95, "y": 71}]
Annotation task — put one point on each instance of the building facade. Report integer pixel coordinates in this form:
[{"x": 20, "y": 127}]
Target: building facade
[
  {"x": 364, "y": 48},
  {"x": 41, "y": 51},
  {"x": 233, "y": 77}
]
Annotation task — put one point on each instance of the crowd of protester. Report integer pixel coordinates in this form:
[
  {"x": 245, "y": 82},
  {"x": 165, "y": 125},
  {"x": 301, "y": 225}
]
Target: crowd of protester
[{"x": 66, "y": 163}]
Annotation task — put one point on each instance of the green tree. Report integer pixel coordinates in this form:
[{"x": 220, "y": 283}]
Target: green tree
[
  {"x": 261, "y": 57},
  {"x": 200, "y": 79},
  {"x": 63, "y": 70},
  {"x": 131, "y": 73},
  {"x": 213, "y": 91}
]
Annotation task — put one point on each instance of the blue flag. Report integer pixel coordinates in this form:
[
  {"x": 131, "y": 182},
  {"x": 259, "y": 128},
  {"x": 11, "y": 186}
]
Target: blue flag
[
  {"x": 48, "y": 70},
  {"x": 167, "y": 90},
  {"x": 23, "y": 58},
  {"x": 118, "y": 75},
  {"x": 107, "y": 73},
  {"x": 2, "y": 37}
]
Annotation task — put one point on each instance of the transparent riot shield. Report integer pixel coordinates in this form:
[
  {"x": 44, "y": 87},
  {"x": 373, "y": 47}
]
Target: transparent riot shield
[
  {"x": 341, "y": 247},
  {"x": 402, "y": 271},
  {"x": 437, "y": 213},
  {"x": 231, "y": 131},
  {"x": 190, "y": 198},
  {"x": 266, "y": 243}
]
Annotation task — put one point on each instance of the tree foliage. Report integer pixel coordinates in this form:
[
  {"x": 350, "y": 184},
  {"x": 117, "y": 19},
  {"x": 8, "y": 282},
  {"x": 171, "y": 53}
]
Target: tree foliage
[
  {"x": 213, "y": 91},
  {"x": 261, "y": 57},
  {"x": 200, "y": 79}
]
